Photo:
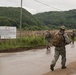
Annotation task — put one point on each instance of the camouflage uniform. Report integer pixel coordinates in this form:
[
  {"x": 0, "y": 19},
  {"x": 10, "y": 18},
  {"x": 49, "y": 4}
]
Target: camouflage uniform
[
  {"x": 48, "y": 37},
  {"x": 60, "y": 51},
  {"x": 73, "y": 36}
]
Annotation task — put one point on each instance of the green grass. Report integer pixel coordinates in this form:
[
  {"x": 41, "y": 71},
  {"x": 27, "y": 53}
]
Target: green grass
[
  {"x": 75, "y": 38},
  {"x": 33, "y": 41}
]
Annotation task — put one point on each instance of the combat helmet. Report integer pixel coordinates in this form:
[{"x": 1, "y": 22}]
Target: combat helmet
[
  {"x": 73, "y": 30},
  {"x": 63, "y": 27}
]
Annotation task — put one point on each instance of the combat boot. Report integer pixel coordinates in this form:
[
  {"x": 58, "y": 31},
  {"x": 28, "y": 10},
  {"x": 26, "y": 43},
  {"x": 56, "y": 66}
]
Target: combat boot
[
  {"x": 63, "y": 67},
  {"x": 52, "y": 67}
]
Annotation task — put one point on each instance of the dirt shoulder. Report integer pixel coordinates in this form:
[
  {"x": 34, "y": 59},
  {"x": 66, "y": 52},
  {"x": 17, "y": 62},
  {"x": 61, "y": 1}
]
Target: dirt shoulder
[
  {"x": 20, "y": 49},
  {"x": 70, "y": 70}
]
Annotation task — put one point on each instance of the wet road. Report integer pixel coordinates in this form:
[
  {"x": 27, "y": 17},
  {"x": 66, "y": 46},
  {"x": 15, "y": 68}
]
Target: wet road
[{"x": 33, "y": 62}]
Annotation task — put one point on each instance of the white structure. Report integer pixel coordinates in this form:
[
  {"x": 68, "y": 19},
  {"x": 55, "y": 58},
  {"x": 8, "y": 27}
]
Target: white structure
[{"x": 7, "y": 32}]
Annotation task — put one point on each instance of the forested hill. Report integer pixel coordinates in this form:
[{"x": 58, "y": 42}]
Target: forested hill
[
  {"x": 10, "y": 16},
  {"x": 54, "y": 19}
]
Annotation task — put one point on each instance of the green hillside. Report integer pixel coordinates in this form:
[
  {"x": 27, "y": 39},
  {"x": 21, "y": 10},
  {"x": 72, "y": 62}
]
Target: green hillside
[
  {"x": 54, "y": 19},
  {"x": 10, "y": 16}
]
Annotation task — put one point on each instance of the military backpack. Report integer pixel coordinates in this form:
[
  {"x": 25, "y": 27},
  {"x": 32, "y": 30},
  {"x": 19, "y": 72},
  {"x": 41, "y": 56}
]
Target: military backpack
[{"x": 57, "y": 40}]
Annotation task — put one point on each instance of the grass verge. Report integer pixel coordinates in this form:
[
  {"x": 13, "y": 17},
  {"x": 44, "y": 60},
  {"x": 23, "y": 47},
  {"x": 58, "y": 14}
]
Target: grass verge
[{"x": 23, "y": 42}]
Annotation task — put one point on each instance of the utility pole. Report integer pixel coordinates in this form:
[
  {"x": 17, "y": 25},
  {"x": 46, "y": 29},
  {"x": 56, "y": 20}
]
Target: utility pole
[{"x": 21, "y": 19}]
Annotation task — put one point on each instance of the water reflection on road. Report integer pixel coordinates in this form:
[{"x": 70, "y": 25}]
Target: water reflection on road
[{"x": 33, "y": 62}]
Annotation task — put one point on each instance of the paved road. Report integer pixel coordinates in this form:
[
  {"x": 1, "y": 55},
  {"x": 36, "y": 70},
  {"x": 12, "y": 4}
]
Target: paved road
[{"x": 33, "y": 62}]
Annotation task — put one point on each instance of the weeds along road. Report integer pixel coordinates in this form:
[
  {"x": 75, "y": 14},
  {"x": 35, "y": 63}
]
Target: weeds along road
[{"x": 33, "y": 62}]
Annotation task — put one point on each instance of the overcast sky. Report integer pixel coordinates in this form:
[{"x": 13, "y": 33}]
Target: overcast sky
[{"x": 34, "y": 7}]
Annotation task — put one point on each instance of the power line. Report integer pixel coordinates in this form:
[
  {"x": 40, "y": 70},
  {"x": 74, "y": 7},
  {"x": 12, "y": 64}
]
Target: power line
[{"x": 47, "y": 5}]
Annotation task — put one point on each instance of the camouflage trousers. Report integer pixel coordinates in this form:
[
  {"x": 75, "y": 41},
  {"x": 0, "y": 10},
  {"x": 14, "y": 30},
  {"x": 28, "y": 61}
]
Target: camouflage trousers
[
  {"x": 59, "y": 51},
  {"x": 72, "y": 40},
  {"x": 48, "y": 43}
]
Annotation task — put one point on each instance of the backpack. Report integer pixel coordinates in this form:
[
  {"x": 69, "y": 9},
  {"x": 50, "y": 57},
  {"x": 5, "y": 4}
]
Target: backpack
[
  {"x": 57, "y": 39},
  {"x": 48, "y": 35}
]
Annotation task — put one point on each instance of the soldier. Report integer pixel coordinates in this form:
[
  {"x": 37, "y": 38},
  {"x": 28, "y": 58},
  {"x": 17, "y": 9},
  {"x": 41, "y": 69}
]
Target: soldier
[
  {"x": 48, "y": 37},
  {"x": 60, "y": 50},
  {"x": 73, "y": 36}
]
